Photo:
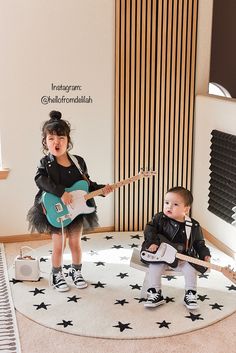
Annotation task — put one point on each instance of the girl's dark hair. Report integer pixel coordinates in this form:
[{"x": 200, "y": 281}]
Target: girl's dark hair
[
  {"x": 184, "y": 193},
  {"x": 56, "y": 125}
]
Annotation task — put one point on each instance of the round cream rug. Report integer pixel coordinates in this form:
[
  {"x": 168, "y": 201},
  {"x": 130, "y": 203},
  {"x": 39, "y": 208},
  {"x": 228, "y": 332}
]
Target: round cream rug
[{"x": 111, "y": 307}]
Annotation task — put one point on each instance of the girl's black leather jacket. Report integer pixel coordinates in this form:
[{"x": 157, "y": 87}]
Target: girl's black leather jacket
[{"x": 47, "y": 178}]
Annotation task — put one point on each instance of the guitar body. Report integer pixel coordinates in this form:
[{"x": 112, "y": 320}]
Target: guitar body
[
  {"x": 57, "y": 212},
  {"x": 165, "y": 253}
]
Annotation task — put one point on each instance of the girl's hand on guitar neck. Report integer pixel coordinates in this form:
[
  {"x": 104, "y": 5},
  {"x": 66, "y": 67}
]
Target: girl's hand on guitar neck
[
  {"x": 207, "y": 258},
  {"x": 107, "y": 190},
  {"x": 153, "y": 248},
  {"x": 67, "y": 198}
]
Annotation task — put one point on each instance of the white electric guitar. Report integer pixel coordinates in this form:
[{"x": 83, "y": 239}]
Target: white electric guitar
[{"x": 168, "y": 254}]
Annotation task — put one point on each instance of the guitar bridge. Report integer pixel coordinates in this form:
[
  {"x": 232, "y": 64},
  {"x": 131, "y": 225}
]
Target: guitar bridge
[{"x": 64, "y": 218}]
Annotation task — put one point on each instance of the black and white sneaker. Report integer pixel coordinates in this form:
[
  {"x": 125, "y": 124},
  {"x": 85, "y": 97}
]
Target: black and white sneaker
[
  {"x": 154, "y": 298},
  {"x": 77, "y": 278},
  {"x": 57, "y": 280},
  {"x": 190, "y": 299}
]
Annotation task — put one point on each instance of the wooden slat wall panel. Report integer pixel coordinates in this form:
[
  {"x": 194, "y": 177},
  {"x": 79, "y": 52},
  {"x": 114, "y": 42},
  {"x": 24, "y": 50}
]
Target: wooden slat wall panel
[{"x": 154, "y": 103}]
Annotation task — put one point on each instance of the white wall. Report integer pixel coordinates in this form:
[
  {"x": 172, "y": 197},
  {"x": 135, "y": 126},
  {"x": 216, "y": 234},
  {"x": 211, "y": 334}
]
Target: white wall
[
  {"x": 211, "y": 113},
  {"x": 61, "y": 42},
  {"x": 203, "y": 55}
]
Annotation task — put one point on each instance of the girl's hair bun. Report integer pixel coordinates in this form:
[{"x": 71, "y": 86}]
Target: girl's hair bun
[{"x": 55, "y": 115}]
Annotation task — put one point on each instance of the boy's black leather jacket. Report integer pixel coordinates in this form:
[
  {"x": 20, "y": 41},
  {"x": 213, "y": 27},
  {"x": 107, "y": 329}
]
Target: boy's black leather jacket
[{"x": 161, "y": 225}]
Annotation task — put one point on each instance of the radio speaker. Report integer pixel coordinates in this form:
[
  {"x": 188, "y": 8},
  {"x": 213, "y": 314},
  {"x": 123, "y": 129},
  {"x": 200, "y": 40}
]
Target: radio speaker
[{"x": 27, "y": 268}]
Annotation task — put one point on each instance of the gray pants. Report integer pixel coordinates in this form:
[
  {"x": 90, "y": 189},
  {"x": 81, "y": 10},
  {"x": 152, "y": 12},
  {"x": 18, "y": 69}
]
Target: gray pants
[{"x": 156, "y": 271}]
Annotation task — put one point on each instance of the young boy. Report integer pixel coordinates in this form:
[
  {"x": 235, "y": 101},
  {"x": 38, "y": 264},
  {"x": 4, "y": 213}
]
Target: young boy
[{"x": 171, "y": 224}]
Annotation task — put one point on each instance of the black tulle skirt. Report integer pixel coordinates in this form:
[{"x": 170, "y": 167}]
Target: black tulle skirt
[{"x": 38, "y": 222}]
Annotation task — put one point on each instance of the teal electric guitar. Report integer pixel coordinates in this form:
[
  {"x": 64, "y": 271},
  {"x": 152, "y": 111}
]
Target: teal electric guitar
[{"x": 60, "y": 215}]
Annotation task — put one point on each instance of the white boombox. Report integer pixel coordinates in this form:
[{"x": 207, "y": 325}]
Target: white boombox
[{"x": 26, "y": 267}]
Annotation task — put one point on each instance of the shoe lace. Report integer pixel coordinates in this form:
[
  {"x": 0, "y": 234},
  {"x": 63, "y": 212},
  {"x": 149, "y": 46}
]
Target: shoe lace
[
  {"x": 76, "y": 275},
  {"x": 154, "y": 296},
  {"x": 190, "y": 296},
  {"x": 60, "y": 277}
]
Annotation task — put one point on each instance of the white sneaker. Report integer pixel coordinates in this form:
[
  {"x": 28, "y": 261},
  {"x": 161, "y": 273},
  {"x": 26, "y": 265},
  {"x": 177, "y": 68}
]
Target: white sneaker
[
  {"x": 154, "y": 298},
  {"x": 58, "y": 282},
  {"x": 190, "y": 299},
  {"x": 77, "y": 278}
]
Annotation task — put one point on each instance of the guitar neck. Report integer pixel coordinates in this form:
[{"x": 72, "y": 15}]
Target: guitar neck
[
  {"x": 198, "y": 262},
  {"x": 114, "y": 186}
]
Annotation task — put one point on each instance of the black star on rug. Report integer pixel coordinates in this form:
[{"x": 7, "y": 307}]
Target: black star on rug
[
  {"x": 136, "y": 236},
  {"x": 134, "y": 245},
  {"x": 169, "y": 299},
  {"x": 14, "y": 281},
  {"x": 121, "y": 302},
  {"x": 108, "y": 237},
  {"x": 169, "y": 278},
  {"x": 194, "y": 317},
  {"x": 65, "y": 323},
  {"x": 99, "y": 263},
  {"x": 85, "y": 238},
  {"x": 37, "y": 291},
  {"x": 123, "y": 327},
  {"x": 43, "y": 259},
  {"x": 140, "y": 300},
  {"x": 117, "y": 247},
  {"x": 135, "y": 286},
  {"x": 73, "y": 299},
  {"x": 122, "y": 275},
  {"x": 98, "y": 285},
  {"x": 202, "y": 297},
  {"x": 163, "y": 324},
  {"x": 216, "y": 306},
  {"x": 232, "y": 287},
  {"x": 66, "y": 267},
  {"x": 203, "y": 276},
  {"x": 42, "y": 306}
]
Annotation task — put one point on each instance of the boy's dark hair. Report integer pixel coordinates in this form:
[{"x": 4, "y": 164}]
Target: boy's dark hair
[
  {"x": 58, "y": 126},
  {"x": 184, "y": 193}
]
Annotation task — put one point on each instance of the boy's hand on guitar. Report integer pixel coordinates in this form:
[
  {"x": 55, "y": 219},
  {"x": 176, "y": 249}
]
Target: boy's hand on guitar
[
  {"x": 67, "y": 198},
  {"x": 107, "y": 190},
  {"x": 153, "y": 248},
  {"x": 207, "y": 258}
]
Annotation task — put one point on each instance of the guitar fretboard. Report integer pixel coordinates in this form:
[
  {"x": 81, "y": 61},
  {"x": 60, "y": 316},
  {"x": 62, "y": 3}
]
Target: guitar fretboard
[
  {"x": 199, "y": 262},
  {"x": 118, "y": 184}
]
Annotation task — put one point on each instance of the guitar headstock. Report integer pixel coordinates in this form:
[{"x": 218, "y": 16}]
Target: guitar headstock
[
  {"x": 147, "y": 173},
  {"x": 229, "y": 273}
]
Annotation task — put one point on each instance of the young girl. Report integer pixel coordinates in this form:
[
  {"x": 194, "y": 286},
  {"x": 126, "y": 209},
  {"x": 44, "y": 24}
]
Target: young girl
[
  {"x": 170, "y": 225},
  {"x": 55, "y": 173}
]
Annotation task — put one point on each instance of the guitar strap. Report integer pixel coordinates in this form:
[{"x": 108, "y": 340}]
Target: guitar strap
[
  {"x": 76, "y": 163},
  {"x": 188, "y": 228}
]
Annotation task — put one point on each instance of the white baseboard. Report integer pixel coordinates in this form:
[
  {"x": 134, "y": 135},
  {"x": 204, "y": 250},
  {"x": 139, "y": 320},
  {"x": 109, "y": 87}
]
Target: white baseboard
[{"x": 219, "y": 244}]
